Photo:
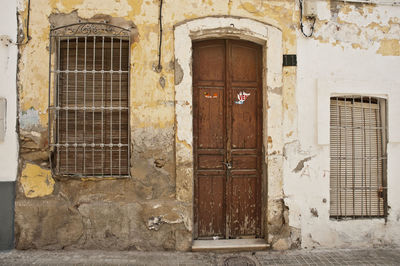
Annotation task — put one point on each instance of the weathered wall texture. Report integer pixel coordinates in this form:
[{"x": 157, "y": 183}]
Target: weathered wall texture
[
  {"x": 8, "y": 63},
  {"x": 153, "y": 210},
  {"x": 355, "y": 49}
]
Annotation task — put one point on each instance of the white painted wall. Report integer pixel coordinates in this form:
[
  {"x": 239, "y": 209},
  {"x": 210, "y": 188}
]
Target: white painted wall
[
  {"x": 325, "y": 69},
  {"x": 8, "y": 67}
]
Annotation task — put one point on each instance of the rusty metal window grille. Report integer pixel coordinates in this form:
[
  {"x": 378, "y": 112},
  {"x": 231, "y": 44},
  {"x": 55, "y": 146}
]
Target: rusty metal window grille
[
  {"x": 89, "y": 100},
  {"x": 358, "y": 157}
]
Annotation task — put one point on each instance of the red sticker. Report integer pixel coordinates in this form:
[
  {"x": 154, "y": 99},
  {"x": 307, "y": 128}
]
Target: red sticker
[{"x": 209, "y": 96}]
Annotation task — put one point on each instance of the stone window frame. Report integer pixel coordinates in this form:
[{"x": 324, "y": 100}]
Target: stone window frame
[
  {"x": 270, "y": 38},
  {"x": 326, "y": 88}
]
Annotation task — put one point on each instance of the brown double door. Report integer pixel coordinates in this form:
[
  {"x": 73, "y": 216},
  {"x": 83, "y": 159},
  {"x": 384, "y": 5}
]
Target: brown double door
[{"x": 227, "y": 124}]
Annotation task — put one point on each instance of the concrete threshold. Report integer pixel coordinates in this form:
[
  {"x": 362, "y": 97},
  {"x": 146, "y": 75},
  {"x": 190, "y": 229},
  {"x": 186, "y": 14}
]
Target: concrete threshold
[{"x": 230, "y": 245}]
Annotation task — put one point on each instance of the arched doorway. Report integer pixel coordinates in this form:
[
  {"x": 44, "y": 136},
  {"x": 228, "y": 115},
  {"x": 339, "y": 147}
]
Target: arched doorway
[{"x": 270, "y": 40}]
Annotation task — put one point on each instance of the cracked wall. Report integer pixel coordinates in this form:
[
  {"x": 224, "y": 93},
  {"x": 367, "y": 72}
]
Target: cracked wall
[
  {"x": 153, "y": 209},
  {"x": 353, "y": 50}
]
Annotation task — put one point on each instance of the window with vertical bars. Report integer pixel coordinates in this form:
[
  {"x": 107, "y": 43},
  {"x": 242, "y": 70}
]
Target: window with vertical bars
[
  {"x": 89, "y": 100},
  {"x": 357, "y": 157}
]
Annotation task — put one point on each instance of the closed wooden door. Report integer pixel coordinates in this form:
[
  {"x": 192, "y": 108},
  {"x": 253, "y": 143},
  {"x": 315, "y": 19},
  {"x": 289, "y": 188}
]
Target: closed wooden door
[{"x": 227, "y": 124}]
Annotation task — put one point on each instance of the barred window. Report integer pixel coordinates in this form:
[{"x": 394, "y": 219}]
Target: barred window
[
  {"x": 358, "y": 157},
  {"x": 89, "y": 100}
]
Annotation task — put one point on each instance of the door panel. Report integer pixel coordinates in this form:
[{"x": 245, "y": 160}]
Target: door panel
[
  {"x": 227, "y": 112},
  {"x": 243, "y": 59},
  {"x": 244, "y": 119},
  {"x": 207, "y": 161},
  {"x": 209, "y": 69},
  {"x": 210, "y": 116},
  {"x": 208, "y": 102},
  {"x": 247, "y": 162},
  {"x": 243, "y": 205},
  {"x": 211, "y": 197}
]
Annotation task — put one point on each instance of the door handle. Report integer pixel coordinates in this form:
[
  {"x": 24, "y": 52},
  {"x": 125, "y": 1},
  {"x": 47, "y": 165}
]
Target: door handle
[{"x": 228, "y": 165}]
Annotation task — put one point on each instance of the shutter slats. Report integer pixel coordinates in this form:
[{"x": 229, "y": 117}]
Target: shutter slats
[
  {"x": 357, "y": 157},
  {"x": 92, "y": 134}
]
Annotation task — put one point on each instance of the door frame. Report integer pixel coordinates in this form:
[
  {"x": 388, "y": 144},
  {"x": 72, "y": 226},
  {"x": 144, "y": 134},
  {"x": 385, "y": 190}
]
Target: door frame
[
  {"x": 228, "y": 107},
  {"x": 270, "y": 38}
]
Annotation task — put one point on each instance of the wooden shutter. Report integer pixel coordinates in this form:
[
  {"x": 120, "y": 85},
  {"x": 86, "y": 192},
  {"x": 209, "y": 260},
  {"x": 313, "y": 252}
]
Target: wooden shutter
[
  {"x": 357, "y": 157},
  {"x": 92, "y": 108}
]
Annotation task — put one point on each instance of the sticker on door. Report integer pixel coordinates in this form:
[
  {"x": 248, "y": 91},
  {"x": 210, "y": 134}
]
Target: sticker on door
[
  {"x": 209, "y": 96},
  {"x": 242, "y": 97}
]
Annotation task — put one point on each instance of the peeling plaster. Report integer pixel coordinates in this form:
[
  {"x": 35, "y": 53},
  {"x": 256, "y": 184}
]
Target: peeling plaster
[
  {"x": 178, "y": 73},
  {"x": 314, "y": 212},
  {"x": 154, "y": 223},
  {"x": 36, "y": 181},
  {"x": 353, "y": 51},
  {"x": 389, "y": 48},
  {"x": 29, "y": 120},
  {"x": 276, "y": 90},
  {"x": 90, "y": 8},
  {"x": 361, "y": 26},
  {"x": 300, "y": 165}
]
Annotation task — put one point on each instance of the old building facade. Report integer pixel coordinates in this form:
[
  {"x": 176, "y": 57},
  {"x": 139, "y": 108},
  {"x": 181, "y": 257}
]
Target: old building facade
[{"x": 146, "y": 125}]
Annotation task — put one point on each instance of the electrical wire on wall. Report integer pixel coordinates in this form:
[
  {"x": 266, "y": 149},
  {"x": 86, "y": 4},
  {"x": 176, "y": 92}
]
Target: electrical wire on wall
[
  {"x": 159, "y": 67},
  {"x": 301, "y": 2}
]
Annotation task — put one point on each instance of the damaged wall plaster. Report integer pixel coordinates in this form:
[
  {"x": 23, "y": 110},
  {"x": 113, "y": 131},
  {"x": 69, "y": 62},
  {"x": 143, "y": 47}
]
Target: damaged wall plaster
[
  {"x": 123, "y": 214},
  {"x": 354, "y": 50},
  {"x": 36, "y": 181},
  {"x": 29, "y": 120}
]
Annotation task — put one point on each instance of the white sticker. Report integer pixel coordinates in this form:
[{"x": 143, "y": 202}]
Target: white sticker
[{"x": 242, "y": 97}]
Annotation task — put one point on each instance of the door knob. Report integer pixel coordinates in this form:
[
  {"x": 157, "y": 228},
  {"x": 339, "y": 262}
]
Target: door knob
[{"x": 228, "y": 165}]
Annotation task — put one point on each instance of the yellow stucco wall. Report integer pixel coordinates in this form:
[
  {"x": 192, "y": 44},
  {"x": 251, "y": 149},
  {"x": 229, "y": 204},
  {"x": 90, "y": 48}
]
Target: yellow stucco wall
[
  {"x": 150, "y": 103},
  {"x": 36, "y": 181}
]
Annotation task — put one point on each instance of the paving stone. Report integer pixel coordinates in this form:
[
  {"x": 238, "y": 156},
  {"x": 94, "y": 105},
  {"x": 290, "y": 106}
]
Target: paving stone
[{"x": 388, "y": 256}]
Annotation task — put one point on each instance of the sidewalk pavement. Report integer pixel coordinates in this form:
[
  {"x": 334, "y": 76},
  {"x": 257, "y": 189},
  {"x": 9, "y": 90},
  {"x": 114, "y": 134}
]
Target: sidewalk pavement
[{"x": 379, "y": 256}]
